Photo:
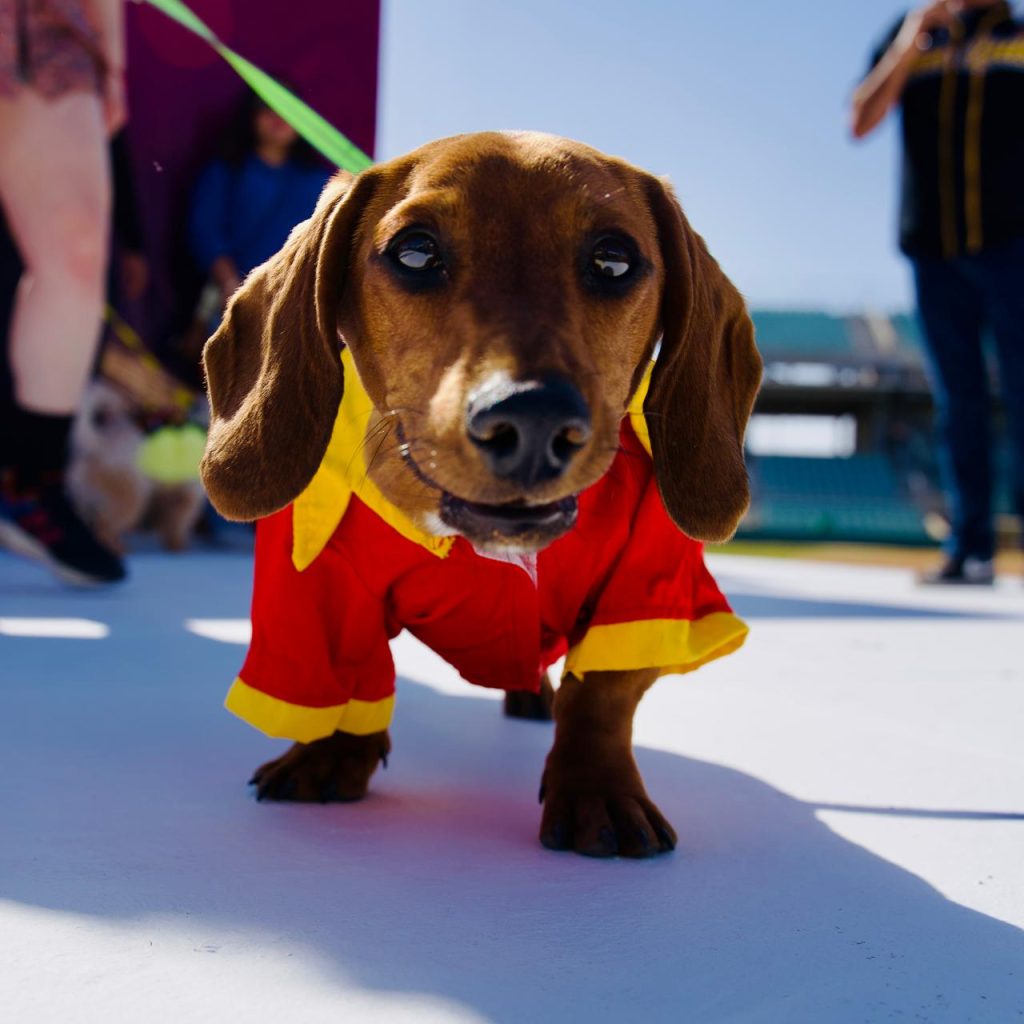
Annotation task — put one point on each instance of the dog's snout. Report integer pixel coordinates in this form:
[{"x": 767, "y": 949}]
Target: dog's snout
[{"x": 529, "y": 431}]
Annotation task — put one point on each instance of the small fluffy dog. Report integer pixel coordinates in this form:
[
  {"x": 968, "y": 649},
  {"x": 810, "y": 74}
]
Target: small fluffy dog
[
  {"x": 110, "y": 490},
  {"x": 440, "y": 402}
]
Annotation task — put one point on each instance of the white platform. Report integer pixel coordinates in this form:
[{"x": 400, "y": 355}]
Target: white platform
[{"x": 849, "y": 790}]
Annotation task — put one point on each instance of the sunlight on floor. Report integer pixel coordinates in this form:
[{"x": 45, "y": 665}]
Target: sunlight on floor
[
  {"x": 225, "y": 631},
  {"x": 55, "y": 629}
]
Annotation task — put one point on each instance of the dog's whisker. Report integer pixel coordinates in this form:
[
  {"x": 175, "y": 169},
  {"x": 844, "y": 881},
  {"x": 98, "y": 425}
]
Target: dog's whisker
[
  {"x": 384, "y": 427},
  {"x": 376, "y": 454},
  {"x": 381, "y": 431}
]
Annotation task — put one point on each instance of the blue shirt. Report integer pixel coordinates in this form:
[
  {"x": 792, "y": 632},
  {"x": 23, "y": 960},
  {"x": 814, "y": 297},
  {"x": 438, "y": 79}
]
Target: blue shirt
[{"x": 246, "y": 212}]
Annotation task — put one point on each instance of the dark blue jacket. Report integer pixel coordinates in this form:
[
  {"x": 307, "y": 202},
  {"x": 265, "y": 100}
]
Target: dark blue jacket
[{"x": 246, "y": 212}]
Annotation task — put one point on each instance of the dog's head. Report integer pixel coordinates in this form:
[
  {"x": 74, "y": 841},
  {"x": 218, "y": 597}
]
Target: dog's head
[
  {"x": 106, "y": 427},
  {"x": 502, "y": 296}
]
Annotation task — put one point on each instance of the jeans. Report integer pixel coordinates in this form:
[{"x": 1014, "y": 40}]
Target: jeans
[{"x": 956, "y": 300}]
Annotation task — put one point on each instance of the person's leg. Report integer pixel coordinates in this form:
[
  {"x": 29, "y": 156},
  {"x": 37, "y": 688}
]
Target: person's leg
[
  {"x": 55, "y": 189},
  {"x": 1003, "y": 286},
  {"x": 951, "y": 314}
]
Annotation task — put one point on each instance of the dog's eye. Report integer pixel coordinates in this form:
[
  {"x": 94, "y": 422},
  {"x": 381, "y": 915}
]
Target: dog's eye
[
  {"x": 611, "y": 259},
  {"x": 416, "y": 252}
]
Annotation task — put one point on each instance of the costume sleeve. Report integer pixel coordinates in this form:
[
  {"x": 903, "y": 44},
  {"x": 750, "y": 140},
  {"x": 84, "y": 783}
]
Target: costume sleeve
[
  {"x": 208, "y": 216},
  {"x": 319, "y": 659},
  {"x": 659, "y": 607}
]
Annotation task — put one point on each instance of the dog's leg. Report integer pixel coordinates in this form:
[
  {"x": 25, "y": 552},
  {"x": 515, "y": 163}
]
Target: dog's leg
[
  {"x": 594, "y": 798},
  {"x": 336, "y": 768},
  {"x": 534, "y": 706}
]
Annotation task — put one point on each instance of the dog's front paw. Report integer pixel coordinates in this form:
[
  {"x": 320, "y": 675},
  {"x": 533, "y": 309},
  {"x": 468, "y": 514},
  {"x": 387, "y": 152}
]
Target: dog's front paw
[
  {"x": 336, "y": 768},
  {"x": 601, "y": 809}
]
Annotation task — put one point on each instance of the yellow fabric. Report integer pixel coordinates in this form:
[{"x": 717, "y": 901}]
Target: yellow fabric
[
  {"x": 1009, "y": 54},
  {"x": 982, "y": 55},
  {"x": 928, "y": 63},
  {"x": 343, "y": 472},
  {"x": 670, "y": 645},
  {"x": 280, "y": 719},
  {"x": 636, "y": 410}
]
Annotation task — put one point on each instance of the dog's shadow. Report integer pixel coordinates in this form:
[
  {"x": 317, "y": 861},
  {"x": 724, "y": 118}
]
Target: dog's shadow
[{"x": 436, "y": 885}]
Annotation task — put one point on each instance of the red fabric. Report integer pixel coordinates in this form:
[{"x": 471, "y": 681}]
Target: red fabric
[{"x": 320, "y": 637}]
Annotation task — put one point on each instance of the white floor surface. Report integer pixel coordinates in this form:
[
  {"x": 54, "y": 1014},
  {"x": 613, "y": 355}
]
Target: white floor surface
[{"x": 849, "y": 792}]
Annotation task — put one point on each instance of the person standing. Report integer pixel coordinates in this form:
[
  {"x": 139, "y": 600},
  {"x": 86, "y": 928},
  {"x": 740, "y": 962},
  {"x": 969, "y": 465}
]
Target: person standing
[
  {"x": 956, "y": 70},
  {"x": 61, "y": 95}
]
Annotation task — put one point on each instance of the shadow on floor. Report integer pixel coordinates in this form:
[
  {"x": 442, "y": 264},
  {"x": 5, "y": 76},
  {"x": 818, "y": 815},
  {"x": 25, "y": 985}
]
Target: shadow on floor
[
  {"x": 125, "y": 802},
  {"x": 436, "y": 884}
]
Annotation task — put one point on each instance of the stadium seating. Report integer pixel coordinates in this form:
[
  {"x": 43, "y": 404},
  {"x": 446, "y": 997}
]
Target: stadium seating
[
  {"x": 851, "y": 499},
  {"x": 870, "y": 366},
  {"x": 796, "y": 334}
]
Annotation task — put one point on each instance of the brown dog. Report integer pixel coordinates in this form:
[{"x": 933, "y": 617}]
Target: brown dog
[{"x": 501, "y": 296}]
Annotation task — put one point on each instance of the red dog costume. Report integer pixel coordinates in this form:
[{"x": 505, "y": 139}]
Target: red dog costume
[{"x": 342, "y": 570}]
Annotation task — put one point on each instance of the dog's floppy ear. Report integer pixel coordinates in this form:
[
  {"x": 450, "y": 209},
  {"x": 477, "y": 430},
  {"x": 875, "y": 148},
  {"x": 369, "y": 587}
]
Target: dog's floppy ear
[
  {"x": 704, "y": 382},
  {"x": 273, "y": 367}
]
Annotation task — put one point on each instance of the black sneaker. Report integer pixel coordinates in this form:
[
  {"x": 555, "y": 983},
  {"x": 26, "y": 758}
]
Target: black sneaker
[
  {"x": 957, "y": 571},
  {"x": 41, "y": 523}
]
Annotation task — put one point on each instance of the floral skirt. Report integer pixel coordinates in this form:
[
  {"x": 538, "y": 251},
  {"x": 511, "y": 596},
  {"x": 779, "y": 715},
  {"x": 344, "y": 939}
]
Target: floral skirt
[{"x": 49, "y": 46}]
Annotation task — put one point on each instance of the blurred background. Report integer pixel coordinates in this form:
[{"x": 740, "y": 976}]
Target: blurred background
[{"x": 743, "y": 107}]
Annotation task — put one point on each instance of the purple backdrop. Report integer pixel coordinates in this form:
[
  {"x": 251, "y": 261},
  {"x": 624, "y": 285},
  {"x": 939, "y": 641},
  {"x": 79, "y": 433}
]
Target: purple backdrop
[{"x": 181, "y": 94}]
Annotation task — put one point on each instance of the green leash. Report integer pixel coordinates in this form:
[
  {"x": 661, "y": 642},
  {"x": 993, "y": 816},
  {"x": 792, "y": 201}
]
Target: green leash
[{"x": 317, "y": 131}]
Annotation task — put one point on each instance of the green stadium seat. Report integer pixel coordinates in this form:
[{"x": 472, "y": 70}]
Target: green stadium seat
[{"x": 852, "y": 499}]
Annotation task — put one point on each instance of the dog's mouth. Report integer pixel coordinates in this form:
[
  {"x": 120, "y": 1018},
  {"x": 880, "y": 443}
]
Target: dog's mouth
[{"x": 513, "y": 524}]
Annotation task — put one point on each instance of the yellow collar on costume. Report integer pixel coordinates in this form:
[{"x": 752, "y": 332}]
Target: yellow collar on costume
[
  {"x": 343, "y": 472},
  {"x": 635, "y": 411}
]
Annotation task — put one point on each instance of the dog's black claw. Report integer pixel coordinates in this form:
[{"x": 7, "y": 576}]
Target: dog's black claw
[
  {"x": 665, "y": 838},
  {"x": 384, "y": 760},
  {"x": 556, "y": 838},
  {"x": 542, "y": 792},
  {"x": 608, "y": 840},
  {"x": 606, "y": 846},
  {"x": 254, "y": 780},
  {"x": 645, "y": 841}
]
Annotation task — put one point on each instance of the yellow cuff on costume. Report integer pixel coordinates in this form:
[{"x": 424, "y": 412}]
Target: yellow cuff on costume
[
  {"x": 279, "y": 718},
  {"x": 670, "y": 645}
]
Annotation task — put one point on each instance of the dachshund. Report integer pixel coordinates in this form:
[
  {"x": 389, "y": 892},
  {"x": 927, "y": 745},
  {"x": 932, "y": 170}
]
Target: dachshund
[{"x": 493, "y": 392}]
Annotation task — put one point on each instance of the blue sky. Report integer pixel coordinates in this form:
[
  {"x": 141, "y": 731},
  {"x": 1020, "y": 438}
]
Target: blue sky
[{"x": 742, "y": 105}]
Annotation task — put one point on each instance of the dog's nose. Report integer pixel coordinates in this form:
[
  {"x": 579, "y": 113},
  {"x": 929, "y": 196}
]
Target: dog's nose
[{"x": 528, "y": 431}]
